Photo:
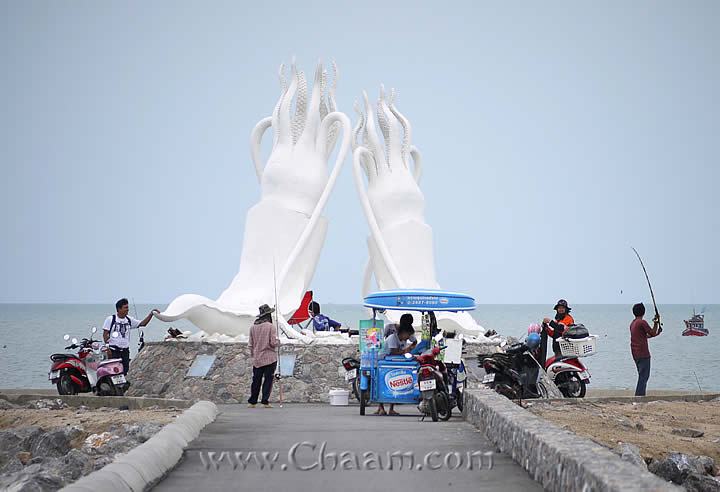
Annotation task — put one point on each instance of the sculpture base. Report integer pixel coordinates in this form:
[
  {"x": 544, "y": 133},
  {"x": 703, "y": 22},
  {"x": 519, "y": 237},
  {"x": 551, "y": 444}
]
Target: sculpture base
[{"x": 160, "y": 370}]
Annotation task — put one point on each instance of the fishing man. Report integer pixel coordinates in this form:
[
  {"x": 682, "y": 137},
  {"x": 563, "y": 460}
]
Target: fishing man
[
  {"x": 263, "y": 344},
  {"x": 640, "y": 331},
  {"x": 556, "y": 327}
]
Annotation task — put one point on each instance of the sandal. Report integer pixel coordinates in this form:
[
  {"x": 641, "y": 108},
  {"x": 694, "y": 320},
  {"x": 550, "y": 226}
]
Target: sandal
[
  {"x": 393, "y": 413},
  {"x": 379, "y": 411}
]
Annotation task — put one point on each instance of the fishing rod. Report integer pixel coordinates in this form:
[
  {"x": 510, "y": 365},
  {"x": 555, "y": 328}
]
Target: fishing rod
[
  {"x": 652, "y": 294},
  {"x": 277, "y": 328}
]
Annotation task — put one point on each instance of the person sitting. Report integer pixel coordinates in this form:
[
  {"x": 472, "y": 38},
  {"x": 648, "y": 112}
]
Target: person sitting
[
  {"x": 555, "y": 328},
  {"x": 398, "y": 343},
  {"x": 320, "y": 321}
]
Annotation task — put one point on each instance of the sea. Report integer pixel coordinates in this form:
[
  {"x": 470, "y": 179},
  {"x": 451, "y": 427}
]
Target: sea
[{"x": 30, "y": 333}]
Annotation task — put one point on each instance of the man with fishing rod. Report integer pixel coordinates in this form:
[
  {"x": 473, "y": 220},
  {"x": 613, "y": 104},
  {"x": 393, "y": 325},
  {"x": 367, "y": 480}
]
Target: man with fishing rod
[{"x": 640, "y": 331}]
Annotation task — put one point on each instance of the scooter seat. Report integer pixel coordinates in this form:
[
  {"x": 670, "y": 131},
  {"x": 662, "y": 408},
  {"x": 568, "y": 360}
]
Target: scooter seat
[
  {"x": 109, "y": 361},
  {"x": 57, "y": 357}
]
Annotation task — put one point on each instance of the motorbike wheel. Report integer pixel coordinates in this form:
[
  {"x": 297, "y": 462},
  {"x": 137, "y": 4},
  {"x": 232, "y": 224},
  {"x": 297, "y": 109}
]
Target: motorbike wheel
[
  {"x": 106, "y": 388},
  {"x": 571, "y": 386},
  {"x": 444, "y": 409},
  {"x": 65, "y": 385},
  {"x": 432, "y": 408},
  {"x": 507, "y": 391},
  {"x": 356, "y": 388}
]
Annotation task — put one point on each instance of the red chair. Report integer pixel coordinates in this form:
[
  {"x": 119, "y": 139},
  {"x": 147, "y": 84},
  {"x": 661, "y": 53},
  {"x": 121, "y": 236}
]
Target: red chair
[{"x": 303, "y": 312}]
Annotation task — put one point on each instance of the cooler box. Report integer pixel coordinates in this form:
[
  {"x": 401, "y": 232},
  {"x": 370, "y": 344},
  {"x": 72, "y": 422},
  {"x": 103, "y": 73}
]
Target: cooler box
[{"x": 397, "y": 381}]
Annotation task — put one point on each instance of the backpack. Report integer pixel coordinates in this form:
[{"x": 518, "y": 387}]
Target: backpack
[{"x": 576, "y": 331}]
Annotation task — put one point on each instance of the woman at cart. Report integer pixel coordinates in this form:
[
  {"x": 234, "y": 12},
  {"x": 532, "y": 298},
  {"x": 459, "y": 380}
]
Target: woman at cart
[{"x": 398, "y": 342}]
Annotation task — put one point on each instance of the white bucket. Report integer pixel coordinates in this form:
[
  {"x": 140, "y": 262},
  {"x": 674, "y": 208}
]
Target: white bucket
[{"x": 339, "y": 397}]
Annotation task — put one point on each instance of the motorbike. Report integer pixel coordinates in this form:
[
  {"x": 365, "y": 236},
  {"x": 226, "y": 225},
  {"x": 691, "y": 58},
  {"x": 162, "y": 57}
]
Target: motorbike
[
  {"x": 351, "y": 366},
  {"x": 89, "y": 370},
  {"x": 514, "y": 373},
  {"x": 433, "y": 385},
  {"x": 456, "y": 375},
  {"x": 567, "y": 371}
]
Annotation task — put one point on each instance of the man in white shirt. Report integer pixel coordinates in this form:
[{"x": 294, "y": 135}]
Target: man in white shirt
[{"x": 116, "y": 331}]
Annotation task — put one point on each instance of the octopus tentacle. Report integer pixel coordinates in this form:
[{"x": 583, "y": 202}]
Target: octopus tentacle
[
  {"x": 407, "y": 132},
  {"x": 298, "y": 123},
  {"x": 372, "y": 141}
]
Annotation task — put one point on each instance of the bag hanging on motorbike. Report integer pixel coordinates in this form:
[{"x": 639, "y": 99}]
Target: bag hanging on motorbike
[{"x": 577, "y": 331}]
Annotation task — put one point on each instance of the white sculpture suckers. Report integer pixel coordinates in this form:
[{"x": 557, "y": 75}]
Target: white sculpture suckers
[
  {"x": 285, "y": 230},
  {"x": 400, "y": 243}
]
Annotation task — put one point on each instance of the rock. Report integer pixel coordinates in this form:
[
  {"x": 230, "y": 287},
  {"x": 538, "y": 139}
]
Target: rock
[
  {"x": 639, "y": 426},
  {"x": 33, "y": 478},
  {"x": 54, "y": 404},
  {"x": 631, "y": 453},
  {"x": 705, "y": 463},
  {"x": 75, "y": 464},
  {"x": 696, "y": 482},
  {"x": 676, "y": 467},
  {"x": 12, "y": 441},
  {"x": 24, "y": 457},
  {"x": 687, "y": 432},
  {"x": 6, "y": 405},
  {"x": 55, "y": 443},
  {"x": 95, "y": 441}
]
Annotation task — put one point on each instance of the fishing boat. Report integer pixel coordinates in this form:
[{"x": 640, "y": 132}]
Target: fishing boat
[{"x": 695, "y": 326}]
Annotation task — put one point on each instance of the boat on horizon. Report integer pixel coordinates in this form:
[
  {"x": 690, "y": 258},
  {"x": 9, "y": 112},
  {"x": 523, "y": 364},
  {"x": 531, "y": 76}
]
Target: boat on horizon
[{"x": 695, "y": 326}]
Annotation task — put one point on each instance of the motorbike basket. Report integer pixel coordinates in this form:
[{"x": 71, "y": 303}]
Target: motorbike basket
[{"x": 578, "y": 347}]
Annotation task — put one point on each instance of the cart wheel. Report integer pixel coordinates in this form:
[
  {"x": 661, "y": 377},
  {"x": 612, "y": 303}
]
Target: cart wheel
[
  {"x": 432, "y": 407},
  {"x": 364, "y": 397},
  {"x": 460, "y": 396}
]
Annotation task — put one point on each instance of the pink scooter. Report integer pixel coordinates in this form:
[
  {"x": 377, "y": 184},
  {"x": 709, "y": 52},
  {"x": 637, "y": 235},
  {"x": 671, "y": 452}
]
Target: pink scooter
[{"x": 89, "y": 370}]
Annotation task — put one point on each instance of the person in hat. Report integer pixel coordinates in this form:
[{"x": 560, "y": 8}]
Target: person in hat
[
  {"x": 263, "y": 345},
  {"x": 556, "y": 327}
]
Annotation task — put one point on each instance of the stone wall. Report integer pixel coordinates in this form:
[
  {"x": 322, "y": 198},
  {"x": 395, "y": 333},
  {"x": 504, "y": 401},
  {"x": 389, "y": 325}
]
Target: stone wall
[
  {"x": 160, "y": 369},
  {"x": 557, "y": 458}
]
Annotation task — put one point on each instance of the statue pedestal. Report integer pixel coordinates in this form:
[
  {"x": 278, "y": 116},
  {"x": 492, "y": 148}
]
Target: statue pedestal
[{"x": 160, "y": 370}]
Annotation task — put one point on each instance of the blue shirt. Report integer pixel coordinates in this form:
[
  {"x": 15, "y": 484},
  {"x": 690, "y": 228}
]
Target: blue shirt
[{"x": 323, "y": 323}]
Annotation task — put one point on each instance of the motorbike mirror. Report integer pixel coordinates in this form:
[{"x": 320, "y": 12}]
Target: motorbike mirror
[
  {"x": 66, "y": 337},
  {"x": 74, "y": 340},
  {"x": 94, "y": 329}
]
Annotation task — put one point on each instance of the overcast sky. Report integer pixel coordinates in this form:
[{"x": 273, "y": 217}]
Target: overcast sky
[{"x": 555, "y": 136}]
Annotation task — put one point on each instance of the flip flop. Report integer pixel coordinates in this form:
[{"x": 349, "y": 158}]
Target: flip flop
[
  {"x": 379, "y": 412},
  {"x": 393, "y": 413}
]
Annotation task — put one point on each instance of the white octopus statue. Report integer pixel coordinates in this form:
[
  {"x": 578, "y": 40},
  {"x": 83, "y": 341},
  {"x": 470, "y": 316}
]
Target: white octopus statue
[
  {"x": 400, "y": 243},
  {"x": 285, "y": 230}
]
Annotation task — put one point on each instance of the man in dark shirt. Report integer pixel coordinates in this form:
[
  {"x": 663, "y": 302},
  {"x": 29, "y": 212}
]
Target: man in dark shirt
[{"x": 640, "y": 331}]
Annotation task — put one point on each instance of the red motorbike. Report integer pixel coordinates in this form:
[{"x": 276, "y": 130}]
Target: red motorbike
[
  {"x": 89, "y": 370},
  {"x": 433, "y": 383}
]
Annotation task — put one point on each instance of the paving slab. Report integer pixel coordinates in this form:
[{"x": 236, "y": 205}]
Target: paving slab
[{"x": 297, "y": 432}]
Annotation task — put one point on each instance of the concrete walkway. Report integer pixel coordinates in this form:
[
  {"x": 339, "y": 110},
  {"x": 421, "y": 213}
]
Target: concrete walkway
[{"x": 367, "y": 440}]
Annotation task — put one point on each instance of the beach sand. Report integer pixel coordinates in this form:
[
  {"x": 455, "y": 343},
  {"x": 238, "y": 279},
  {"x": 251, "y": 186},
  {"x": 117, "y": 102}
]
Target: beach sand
[{"x": 648, "y": 425}]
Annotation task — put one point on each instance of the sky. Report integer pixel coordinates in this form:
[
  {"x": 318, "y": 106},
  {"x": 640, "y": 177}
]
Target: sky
[{"x": 555, "y": 136}]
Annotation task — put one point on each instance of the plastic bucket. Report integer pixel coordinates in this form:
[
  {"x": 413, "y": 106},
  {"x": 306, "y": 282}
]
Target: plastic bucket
[{"x": 339, "y": 397}]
